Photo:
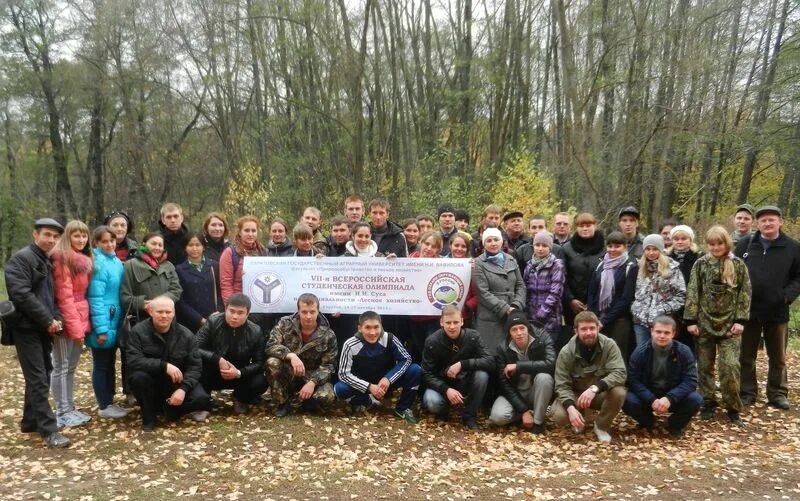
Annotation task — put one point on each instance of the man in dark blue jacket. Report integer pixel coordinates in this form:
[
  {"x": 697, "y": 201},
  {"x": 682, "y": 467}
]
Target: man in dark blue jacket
[
  {"x": 663, "y": 379},
  {"x": 29, "y": 281}
]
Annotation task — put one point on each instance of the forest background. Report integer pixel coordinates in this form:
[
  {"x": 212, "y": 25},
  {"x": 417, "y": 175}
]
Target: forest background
[{"x": 683, "y": 108}]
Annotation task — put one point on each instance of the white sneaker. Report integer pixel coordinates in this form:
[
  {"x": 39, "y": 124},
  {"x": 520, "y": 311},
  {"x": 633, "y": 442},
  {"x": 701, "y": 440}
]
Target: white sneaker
[
  {"x": 200, "y": 416},
  {"x": 602, "y": 436},
  {"x": 112, "y": 412},
  {"x": 578, "y": 430}
]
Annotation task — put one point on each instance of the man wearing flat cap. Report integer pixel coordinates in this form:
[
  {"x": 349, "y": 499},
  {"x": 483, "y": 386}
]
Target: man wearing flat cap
[
  {"x": 773, "y": 262},
  {"x": 447, "y": 225},
  {"x": 29, "y": 282},
  {"x": 629, "y": 226},
  {"x": 742, "y": 222},
  {"x": 514, "y": 226}
]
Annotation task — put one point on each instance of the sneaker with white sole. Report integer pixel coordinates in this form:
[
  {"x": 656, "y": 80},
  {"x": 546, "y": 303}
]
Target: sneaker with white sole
[
  {"x": 602, "y": 436},
  {"x": 84, "y": 418},
  {"x": 578, "y": 430},
  {"x": 69, "y": 420},
  {"x": 112, "y": 412},
  {"x": 200, "y": 416}
]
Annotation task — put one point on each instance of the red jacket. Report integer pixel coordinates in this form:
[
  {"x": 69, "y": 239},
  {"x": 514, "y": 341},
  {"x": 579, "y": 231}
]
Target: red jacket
[
  {"x": 70, "y": 292},
  {"x": 230, "y": 280}
]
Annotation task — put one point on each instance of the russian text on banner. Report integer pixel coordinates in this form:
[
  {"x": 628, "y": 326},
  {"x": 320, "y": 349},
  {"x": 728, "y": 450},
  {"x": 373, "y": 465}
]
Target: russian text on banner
[{"x": 354, "y": 285}]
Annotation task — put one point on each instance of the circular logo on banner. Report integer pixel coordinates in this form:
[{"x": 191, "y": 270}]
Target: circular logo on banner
[
  {"x": 444, "y": 289},
  {"x": 267, "y": 289}
]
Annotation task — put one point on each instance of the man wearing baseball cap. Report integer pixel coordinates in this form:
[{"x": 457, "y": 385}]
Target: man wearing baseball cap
[
  {"x": 743, "y": 222},
  {"x": 773, "y": 262},
  {"x": 29, "y": 282},
  {"x": 629, "y": 226}
]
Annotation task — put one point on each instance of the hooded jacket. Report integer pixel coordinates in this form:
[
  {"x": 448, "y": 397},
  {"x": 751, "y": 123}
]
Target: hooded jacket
[
  {"x": 70, "y": 290},
  {"x": 104, "y": 302},
  {"x": 392, "y": 241}
]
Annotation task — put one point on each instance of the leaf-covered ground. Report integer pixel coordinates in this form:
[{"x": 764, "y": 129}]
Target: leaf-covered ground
[{"x": 380, "y": 457}]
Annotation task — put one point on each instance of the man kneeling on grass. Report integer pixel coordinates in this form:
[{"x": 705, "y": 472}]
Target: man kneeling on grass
[
  {"x": 232, "y": 349},
  {"x": 164, "y": 365},
  {"x": 590, "y": 373},
  {"x": 456, "y": 366},
  {"x": 373, "y": 363},
  {"x": 663, "y": 380},
  {"x": 300, "y": 357}
]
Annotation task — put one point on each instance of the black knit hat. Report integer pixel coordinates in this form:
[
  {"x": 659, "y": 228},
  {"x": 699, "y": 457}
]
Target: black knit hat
[
  {"x": 444, "y": 208},
  {"x": 462, "y": 215},
  {"x": 516, "y": 317}
]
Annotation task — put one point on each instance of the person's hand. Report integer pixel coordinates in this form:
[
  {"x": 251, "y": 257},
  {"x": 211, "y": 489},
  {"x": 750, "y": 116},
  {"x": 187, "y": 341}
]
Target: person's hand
[
  {"x": 174, "y": 374},
  {"x": 575, "y": 417},
  {"x": 55, "y": 327},
  {"x": 146, "y": 304},
  {"x": 101, "y": 339},
  {"x": 454, "y": 369},
  {"x": 454, "y": 396},
  {"x": 527, "y": 419},
  {"x": 319, "y": 255},
  {"x": 693, "y": 330},
  {"x": 577, "y": 306},
  {"x": 585, "y": 400},
  {"x": 230, "y": 373},
  {"x": 377, "y": 391},
  {"x": 298, "y": 367},
  {"x": 391, "y": 256},
  {"x": 223, "y": 364},
  {"x": 176, "y": 399},
  {"x": 337, "y": 314},
  {"x": 384, "y": 383},
  {"x": 736, "y": 330},
  {"x": 661, "y": 405},
  {"x": 202, "y": 322},
  {"x": 509, "y": 370},
  {"x": 307, "y": 390}
]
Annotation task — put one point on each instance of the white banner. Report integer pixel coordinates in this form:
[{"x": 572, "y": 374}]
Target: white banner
[{"x": 356, "y": 284}]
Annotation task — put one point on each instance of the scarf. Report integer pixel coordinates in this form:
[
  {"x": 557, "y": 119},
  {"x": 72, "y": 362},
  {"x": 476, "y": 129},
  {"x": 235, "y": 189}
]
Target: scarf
[
  {"x": 652, "y": 267},
  {"x": 148, "y": 258},
  {"x": 610, "y": 266},
  {"x": 242, "y": 249},
  {"x": 499, "y": 259},
  {"x": 591, "y": 245},
  {"x": 370, "y": 252},
  {"x": 198, "y": 266}
]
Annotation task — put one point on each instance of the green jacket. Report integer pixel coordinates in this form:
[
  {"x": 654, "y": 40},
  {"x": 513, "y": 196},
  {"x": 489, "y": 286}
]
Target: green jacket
[
  {"x": 141, "y": 283},
  {"x": 606, "y": 369},
  {"x": 713, "y": 305},
  {"x": 318, "y": 354}
]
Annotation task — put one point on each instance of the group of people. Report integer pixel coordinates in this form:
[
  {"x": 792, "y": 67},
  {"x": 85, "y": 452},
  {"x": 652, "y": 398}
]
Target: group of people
[{"x": 553, "y": 323}]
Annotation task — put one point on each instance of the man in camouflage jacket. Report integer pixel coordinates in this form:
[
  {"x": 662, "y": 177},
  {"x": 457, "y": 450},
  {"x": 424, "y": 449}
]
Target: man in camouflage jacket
[{"x": 300, "y": 355}]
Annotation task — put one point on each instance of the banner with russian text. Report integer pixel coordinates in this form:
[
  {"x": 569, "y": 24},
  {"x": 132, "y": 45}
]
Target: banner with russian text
[{"x": 356, "y": 284}]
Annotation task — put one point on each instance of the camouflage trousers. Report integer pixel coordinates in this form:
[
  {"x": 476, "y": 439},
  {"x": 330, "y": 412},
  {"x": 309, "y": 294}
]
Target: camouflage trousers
[
  {"x": 728, "y": 364},
  {"x": 284, "y": 386}
]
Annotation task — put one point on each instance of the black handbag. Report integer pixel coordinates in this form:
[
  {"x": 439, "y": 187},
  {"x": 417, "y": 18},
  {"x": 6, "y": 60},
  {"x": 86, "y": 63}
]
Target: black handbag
[
  {"x": 7, "y": 316},
  {"x": 125, "y": 325}
]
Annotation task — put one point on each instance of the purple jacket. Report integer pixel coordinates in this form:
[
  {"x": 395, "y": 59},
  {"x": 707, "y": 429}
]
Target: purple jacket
[{"x": 545, "y": 288}]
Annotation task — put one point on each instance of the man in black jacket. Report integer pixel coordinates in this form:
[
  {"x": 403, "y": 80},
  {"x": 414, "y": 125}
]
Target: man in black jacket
[
  {"x": 232, "y": 350},
  {"x": 174, "y": 232},
  {"x": 29, "y": 282},
  {"x": 525, "y": 366},
  {"x": 388, "y": 235},
  {"x": 164, "y": 364},
  {"x": 773, "y": 261},
  {"x": 456, "y": 367}
]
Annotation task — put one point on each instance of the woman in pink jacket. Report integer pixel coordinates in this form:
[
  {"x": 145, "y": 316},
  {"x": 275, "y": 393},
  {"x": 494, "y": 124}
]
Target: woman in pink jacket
[{"x": 72, "y": 270}]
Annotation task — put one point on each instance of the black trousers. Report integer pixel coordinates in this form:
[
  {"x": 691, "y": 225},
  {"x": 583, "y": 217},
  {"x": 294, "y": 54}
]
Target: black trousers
[
  {"x": 33, "y": 351},
  {"x": 152, "y": 393},
  {"x": 245, "y": 389}
]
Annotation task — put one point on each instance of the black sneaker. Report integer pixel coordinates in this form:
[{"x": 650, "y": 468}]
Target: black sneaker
[
  {"x": 537, "y": 429},
  {"x": 148, "y": 428},
  {"x": 707, "y": 412},
  {"x": 677, "y": 434},
  {"x": 283, "y": 410},
  {"x": 733, "y": 417},
  {"x": 781, "y": 403},
  {"x": 56, "y": 440}
]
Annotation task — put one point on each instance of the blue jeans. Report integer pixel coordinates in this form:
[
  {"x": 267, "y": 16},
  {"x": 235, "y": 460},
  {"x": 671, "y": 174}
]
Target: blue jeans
[
  {"x": 104, "y": 375},
  {"x": 642, "y": 333},
  {"x": 472, "y": 388},
  {"x": 409, "y": 382},
  {"x": 680, "y": 412}
]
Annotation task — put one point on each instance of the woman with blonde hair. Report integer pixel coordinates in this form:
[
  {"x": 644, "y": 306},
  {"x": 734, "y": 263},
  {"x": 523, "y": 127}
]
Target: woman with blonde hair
[
  {"x": 717, "y": 306},
  {"x": 660, "y": 289},
  {"x": 72, "y": 272}
]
